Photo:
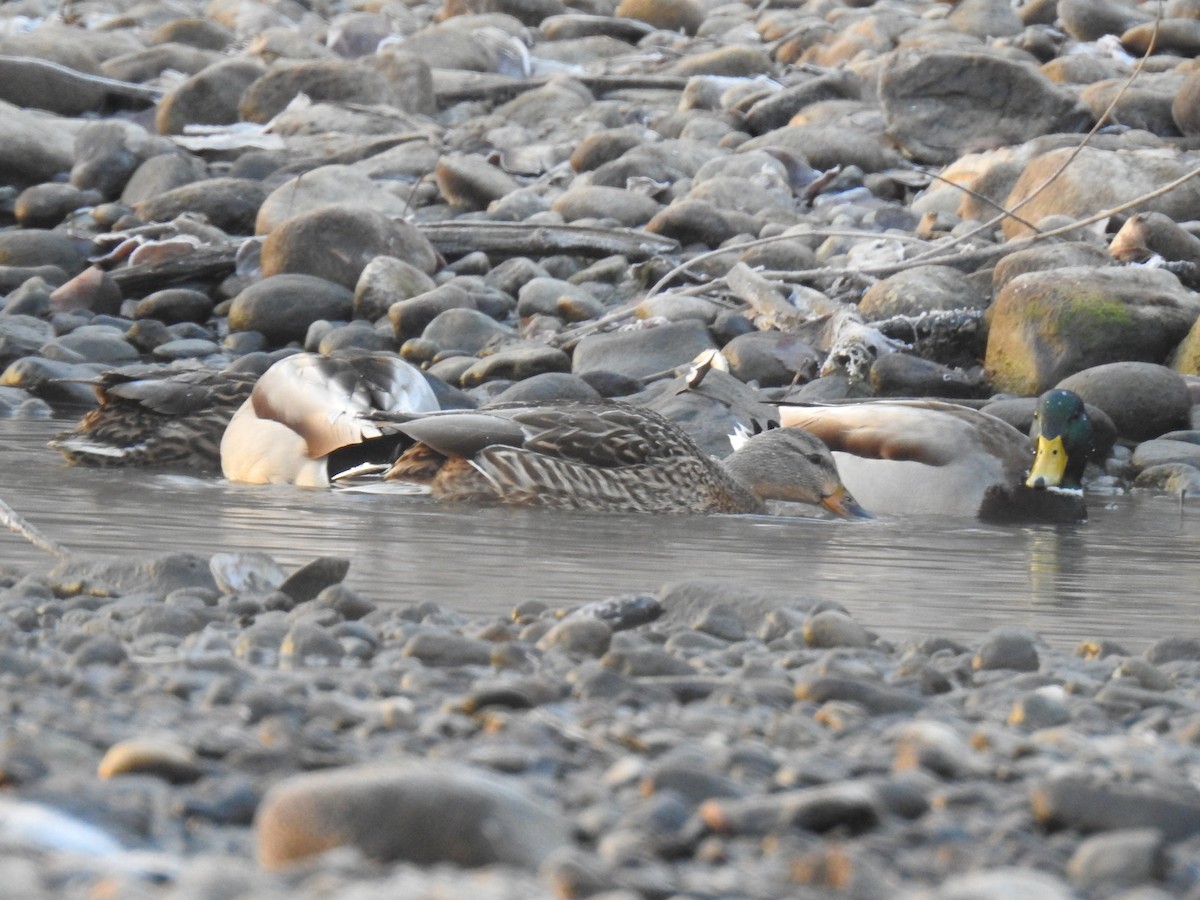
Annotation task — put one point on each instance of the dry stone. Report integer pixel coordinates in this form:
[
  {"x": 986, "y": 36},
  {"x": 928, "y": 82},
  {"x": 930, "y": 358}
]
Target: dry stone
[{"x": 940, "y": 104}]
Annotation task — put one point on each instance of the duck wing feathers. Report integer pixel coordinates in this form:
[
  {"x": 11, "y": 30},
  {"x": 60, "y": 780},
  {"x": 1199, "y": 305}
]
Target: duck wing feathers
[
  {"x": 923, "y": 431},
  {"x": 611, "y": 437},
  {"x": 175, "y": 393}
]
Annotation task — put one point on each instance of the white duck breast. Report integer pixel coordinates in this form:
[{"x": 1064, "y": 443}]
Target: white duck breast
[{"x": 308, "y": 406}]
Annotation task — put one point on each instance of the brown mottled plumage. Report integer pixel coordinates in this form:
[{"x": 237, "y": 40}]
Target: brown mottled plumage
[
  {"x": 157, "y": 418},
  {"x": 609, "y": 457}
]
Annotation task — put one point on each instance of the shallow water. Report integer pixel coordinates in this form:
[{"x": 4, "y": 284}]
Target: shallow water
[{"x": 1131, "y": 574}]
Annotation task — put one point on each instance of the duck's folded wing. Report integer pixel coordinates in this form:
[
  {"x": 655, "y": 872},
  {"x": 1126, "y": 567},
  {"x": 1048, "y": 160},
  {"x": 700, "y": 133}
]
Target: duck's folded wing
[
  {"x": 462, "y": 433},
  {"x": 876, "y": 431},
  {"x": 178, "y": 394},
  {"x": 603, "y": 436}
]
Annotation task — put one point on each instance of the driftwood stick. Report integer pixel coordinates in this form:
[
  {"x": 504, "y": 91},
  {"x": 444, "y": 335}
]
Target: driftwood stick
[
  {"x": 210, "y": 263},
  {"x": 453, "y": 239},
  {"x": 142, "y": 92},
  {"x": 519, "y": 239},
  {"x": 498, "y": 88},
  {"x": 16, "y": 523},
  {"x": 771, "y": 309}
]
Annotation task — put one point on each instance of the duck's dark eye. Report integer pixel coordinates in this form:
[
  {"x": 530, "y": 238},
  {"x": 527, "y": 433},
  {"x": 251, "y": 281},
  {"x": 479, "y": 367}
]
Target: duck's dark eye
[{"x": 815, "y": 458}]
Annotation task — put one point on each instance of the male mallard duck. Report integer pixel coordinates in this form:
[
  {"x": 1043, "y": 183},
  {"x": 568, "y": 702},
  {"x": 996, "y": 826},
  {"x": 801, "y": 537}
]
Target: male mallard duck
[
  {"x": 157, "y": 417},
  {"x": 610, "y": 457},
  {"x": 1065, "y": 441},
  {"x": 925, "y": 457},
  {"x": 309, "y": 417}
]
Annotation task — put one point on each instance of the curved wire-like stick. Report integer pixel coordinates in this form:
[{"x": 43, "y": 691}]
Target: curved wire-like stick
[{"x": 15, "y": 522}]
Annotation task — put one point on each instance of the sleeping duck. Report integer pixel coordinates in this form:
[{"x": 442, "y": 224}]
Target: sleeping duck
[
  {"x": 157, "y": 417},
  {"x": 610, "y": 457},
  {"x": 925, "y": 457},
  {"x": 309, "y": 418}
]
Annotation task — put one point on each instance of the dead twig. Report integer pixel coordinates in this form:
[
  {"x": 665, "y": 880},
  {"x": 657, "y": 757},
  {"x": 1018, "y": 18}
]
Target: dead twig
[
  {"x": 1006, "y": 213},
  {"x": 16, "y": 523}
]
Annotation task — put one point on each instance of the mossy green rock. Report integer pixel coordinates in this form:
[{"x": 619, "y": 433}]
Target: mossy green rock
[
  {"x": 1186, "y": 358},
  {"x": 1048, "y": 325}
]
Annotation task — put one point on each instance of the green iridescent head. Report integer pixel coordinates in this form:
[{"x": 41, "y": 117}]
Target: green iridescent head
[{"x": 1064, "y": 441}]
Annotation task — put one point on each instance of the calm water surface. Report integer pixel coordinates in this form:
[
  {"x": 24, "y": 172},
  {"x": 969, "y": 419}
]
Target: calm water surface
[{"x": 1131, "y": 574}]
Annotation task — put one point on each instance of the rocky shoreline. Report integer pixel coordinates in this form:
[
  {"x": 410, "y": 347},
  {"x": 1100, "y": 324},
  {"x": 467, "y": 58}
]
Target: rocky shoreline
[
  {"x": 535, "y": 199},
  {"x": 192, "y": 727}
]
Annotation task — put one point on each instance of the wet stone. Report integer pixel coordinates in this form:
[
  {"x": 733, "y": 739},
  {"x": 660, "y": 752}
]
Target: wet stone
[
  {"x": 434, "y": 648},
  {"x": 336, "y": 243},
  {"x": 820, "y": 809},
  {"x": 1006, "y": 649},
  {"x": 398, "y": 814},
  {"x": 26, "y": 131},
  {"x": 1007, "y": 882},
  {"x": 1039, "y": 710},
  {"x": 472, "y": 182},
  {"x": 876, "y": 699},
  {"x": 32, "y": 247},
  {"x": 190, "y": 348},
  {"x": 307, "y": 644},
  {"x": 209, "y": 97},
  {"x": 466, "y": 330},
  {"x": 46, "y": 205},
  {"x": 830, "y": 628},
  {"x": 101, "y": 650},
  {"x": 578, "y": 636},
  {"x": 721, "y": 622},
  {"x": 1089, "y": 805},
  {"x": 410, "y": 317},
  {"x": 313, "y": 577},
  {"x": 282, "y": 307},
  {"x": 320, "y": 80},
  {"x": 516, "y": 364},
  {"x": 167, "y": 620},
  {"x": 168, "y": 760},
  {"x": 386, "y": 280},
  {"x": 160, "y": 174},
  {"x": 645, "y": 662},
  {"x": 1125, "y": 857},
  {"x": 1173, "y": 649},
  {"x": 230, "y": 204},
  {"x": 175, "y": 305},
  {"x": 643, "y": 352},
  {"x": 692, "y": 784},
  {"x": 548, "y": 387},
  {"x": 936, "y": 749}
]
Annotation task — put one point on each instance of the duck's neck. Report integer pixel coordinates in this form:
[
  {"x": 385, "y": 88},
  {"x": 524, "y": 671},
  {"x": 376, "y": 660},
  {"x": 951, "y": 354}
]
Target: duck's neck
[{"x": 734, "y": 487}]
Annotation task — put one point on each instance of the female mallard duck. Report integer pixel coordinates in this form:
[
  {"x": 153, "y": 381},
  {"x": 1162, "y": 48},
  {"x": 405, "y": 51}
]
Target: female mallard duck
[
  {"x": 925, "y": 457},
  {"x": 309, "y": 417},
  {"x": 610, "y": 457},
  {"x": 163, "y": 417}
]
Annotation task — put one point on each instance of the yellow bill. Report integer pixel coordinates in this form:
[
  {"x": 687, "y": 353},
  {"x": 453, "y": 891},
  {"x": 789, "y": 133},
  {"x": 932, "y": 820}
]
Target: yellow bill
[{"x": 1049, "y": 464}]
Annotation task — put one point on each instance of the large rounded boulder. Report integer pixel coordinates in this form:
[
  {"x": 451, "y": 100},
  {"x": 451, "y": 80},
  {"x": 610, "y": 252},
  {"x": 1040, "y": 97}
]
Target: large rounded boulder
[{"x": 1050, "y": 324}]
